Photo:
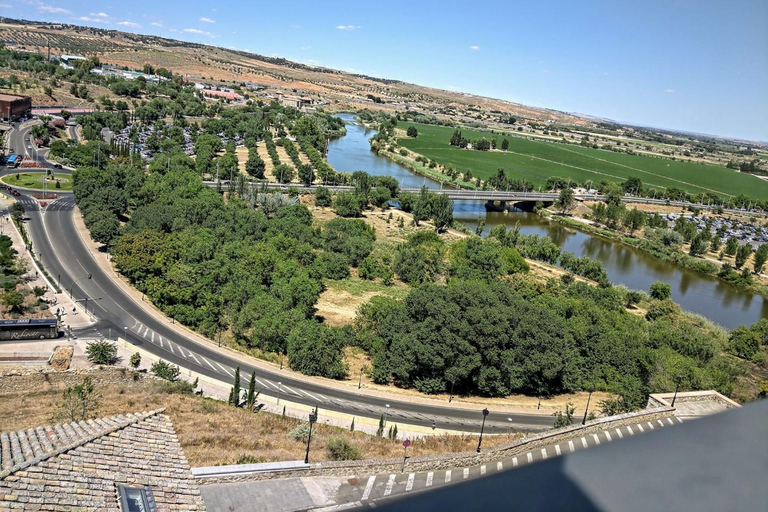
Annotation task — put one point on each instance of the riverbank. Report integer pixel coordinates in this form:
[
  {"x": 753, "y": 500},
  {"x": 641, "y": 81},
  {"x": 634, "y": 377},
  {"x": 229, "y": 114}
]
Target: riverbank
[{"x": 676, "y": 256}]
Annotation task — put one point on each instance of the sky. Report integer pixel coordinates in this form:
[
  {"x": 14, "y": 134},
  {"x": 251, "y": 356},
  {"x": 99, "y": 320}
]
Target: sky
[{"x": 698, "y": 65}]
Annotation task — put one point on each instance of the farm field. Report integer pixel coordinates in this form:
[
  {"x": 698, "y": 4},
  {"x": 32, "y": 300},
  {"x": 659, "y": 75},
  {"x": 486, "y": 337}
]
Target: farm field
[{"x": 536, "y": 161}]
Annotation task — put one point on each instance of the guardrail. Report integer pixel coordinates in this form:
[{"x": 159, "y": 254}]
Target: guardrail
[{"x": 249, "y": 469}]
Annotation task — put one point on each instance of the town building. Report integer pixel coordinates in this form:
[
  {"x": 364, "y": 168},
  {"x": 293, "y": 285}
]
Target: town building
[
  {"x": 12, "y": 107},
  {"x": 124, "y": 463}
]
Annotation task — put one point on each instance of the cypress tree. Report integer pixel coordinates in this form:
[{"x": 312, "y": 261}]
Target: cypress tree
[
  {"x": 236, "y": 389},
  {"x": 251, "y": 396},
  {"x": 380, "y": 431},
  {"x": 352, "y": 426}
]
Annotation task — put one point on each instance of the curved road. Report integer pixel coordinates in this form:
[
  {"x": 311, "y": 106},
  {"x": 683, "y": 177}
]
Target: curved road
[{"x": 64, "y": 255}]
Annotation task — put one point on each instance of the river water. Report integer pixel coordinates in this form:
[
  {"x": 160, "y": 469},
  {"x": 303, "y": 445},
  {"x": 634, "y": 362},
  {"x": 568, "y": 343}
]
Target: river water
[{"x": 721, "y": 302}]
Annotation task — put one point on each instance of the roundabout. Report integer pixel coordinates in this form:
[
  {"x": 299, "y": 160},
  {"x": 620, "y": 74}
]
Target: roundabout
[{"x": 34, "y": 181}]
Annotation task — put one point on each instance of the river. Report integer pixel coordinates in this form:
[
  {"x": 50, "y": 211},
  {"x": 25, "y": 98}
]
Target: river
[{"x": 721, "y": 302}]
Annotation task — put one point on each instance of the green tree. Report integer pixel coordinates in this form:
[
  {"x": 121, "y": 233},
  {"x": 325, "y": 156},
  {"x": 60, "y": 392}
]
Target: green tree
[
  {"x": 505, "y": 144},
  {"x": 442, "y": 211},
  {"x": 234, "y": 395},
  {"x": 742, "y": 254},
  {"x": 634, "y": 219},
  {"x": 761, "y": 256},
  {"x": 565, "y": 201},
  {"x": 323, "y": 197},
  {"x": 165, "y": 370},
  {"x": 339, "y": 448},
  {"x": 13, "y": 300},
  {"x": 699, "y": 245},
  {"x": 564, "y": 418},
  {"x": 660, "y": 291},
  {"x": 306, "y": 174},
  {"x": 316, "y": 349},
  {"x": 80, "y": 402},
  {"x": 348, "y": 204},
  {"x": 412, "y": 132},
  {"x": 135, "y": 360},
  {"x": 101, "y": 352},
  {"x": 250, "y": 398},
  {"x": 731, "y": 246}
]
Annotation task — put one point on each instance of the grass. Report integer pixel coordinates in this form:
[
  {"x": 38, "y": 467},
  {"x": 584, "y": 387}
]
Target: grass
[
  {"x": 536, "y": 161},
  {"x": 210, "y": 431},
  {"x": 33, "y": 180},
  {"x": 358, "y": 287}
]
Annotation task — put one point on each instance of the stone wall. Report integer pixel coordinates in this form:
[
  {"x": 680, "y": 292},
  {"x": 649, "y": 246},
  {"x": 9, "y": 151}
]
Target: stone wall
[
  {"x": 463, "y": 459},
  {"x": 41, "y": 379}
]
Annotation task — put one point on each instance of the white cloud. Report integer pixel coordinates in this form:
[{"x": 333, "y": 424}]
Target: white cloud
[
  {"x": 91, "y": 20},
  {"x": 474, "y": 47},
  {"x": 5, "y": 6},
  {"x": 50, "y": 9},
  {"x": 156, "y": 24},
  {"x": 207, "y": 20},
  {"x": 605, "y": 73},
  {"x": 198, "y": 32},
  {"x": 669, "y": 91},
  {"x": 99, "y": 15},
  {"x": 128, "y": 24},
  {"x": 305, "y": 48},
  {"x": 348, "y": 27}
]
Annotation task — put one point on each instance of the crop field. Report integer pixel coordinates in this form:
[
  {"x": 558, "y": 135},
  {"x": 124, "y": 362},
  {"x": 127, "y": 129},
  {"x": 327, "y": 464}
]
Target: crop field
[{"x": 536, "y": 161}]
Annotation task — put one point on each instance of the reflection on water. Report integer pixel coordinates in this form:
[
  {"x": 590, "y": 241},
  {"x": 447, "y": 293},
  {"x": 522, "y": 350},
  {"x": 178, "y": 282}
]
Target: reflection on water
[{"x": 725, "y": 304}]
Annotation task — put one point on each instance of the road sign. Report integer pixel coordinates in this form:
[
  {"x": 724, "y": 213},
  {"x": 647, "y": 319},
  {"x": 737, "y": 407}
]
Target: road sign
[{"x": 407, "y": 443}]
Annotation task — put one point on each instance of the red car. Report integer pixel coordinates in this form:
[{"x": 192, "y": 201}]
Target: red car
[{"x": 15, "y": 193}]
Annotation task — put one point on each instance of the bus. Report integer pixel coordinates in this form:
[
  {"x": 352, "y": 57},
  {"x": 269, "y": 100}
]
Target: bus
[
  {"x": 11, "y": 161},
  {"x": 29, "y": 329}
]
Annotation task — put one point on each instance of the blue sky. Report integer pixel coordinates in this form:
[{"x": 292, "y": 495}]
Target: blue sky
[{"x": 700, "y": 65}]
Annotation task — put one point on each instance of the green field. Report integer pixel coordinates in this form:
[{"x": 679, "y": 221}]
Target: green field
[
  {"x": 536, "y": 161},
  {"x": 34, "y": 180}
]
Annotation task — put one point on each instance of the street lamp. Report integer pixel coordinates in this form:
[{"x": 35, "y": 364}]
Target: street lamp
[
  {"x": 360, "y": 380},
  {"x": 450, "y": 398},
  {"x": 386, "y": 413},
  {"x": 591, "y": 390},
  {"x": 677, "y": 387},
  {"x": 281, "y": 359},
  {"x": 509, "y": 427},
  {"x": 312, "y": 420},
  {"x": 125, "y": 333},
  {"x": 482, "y": 427},
  {"x": 279, "y": 384},
  {"x": 72, "y": 286}
]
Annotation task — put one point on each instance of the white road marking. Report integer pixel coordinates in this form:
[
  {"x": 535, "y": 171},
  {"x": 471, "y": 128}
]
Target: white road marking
[
  {"x": 661, "y": 423},
  {"x": 466, "y": 473},
  {"x": 650, "y": 425},
  {"x": 409, "y": 485},
  {"x": 670, "y": 421},
  {"x": 209, "y": 363},
  {"x": 171, "y": 345},
  {"x": 678, "y": 419},
  {"x": 608, "y": 435},
  {"x": 499, "y": 466},
  {"x": 193, "y": 357},
  {"x": 290, "y": 390},
  {"x": 544, "y": 453},
  {"x": 310, "y": 395},
  {"x": 447, "y": 476},
  {"x": 584, "y": 443},
  {"x": 618, "y": 433},
  {"x": 390, "y": 483},
  {"x": 482, "y": 469},
  {"x": 146, "y": 331},
  {"x": 597, "y": 439},
  {"x": 557, "y": 449},
  {"x": 430, "y": 475},
  {"x": 153, "y": 336},
  {"x": 529, "y": 456},
  {"x": 161, "y": 340},
  {"x": 629, "y": 429},
  {"x": 260, "y": 382},
  {"x": 570, "y": 446},
  {"x": 640, "y": 427},
  {"x": 514, "y": 462},
  {"x": 368, "y": 488}
]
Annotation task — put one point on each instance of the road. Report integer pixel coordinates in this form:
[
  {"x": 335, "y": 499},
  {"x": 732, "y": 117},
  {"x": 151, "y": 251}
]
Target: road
[{"x": 67, "y": 259}]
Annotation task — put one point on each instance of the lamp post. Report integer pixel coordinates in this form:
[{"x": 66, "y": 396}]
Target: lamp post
[
  {"x": 509, "y": 427},
  {"x": 386, "y": 413},
  {"x": 72, "y": 286},
  {"x": 450, "y": 398},
  {"x": 677, "y": 387},
  {"x": 312, "y": 420},
  {"x": 125, "y": 333},
  {"x": 482, "y": 427},
  {"x": 591, "y": 390},
  {"x": 279, "y": 388},
  {"x": 360, "y": 380},
  {"x": 281, "y": 360}
]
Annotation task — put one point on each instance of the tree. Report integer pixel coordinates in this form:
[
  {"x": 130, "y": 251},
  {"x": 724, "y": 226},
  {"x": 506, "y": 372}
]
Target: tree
[
  {"x": 699, "y": 245},
  {"x": 564, "y": 418},
  {"x": 135, "y": 361},
  {"x": 633, "y": 297},
  {"x": 306, "y": 174},
  {"x": 164, "y": 370},
  {"x": 565, "y": 202},
  {"x": 255, "y": 166},
  {"x": 634, "y": 219},
  {"x": 660, "y": 291},
  {"x": 761, "y": 256},
  {"x": 250, "y": 398},
  {"x": 284, "y": 173},
  {"x": 347, "y": 204},
  {"x": 742, "y": 254},
  {"x": 234, "y": 396},
  {"x": 442, "y": 211},
  {"x": 80, "y": 402},
  {"x": 13, "y": 300},
  {"x": 504, "y": 144},
  {"x": 422, "y": 207},
  {"x": 101, "y": 352},
  {"x": 731, "y": 246},
  {"x": 412, "y": 132},
  {"x": 380, "y": 197},
  {"x": 323, "y": 197},
  {"x": 316, "y": 349}
]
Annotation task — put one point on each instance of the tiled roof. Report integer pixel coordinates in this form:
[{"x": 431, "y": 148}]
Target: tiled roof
[{"x": 79, "y": 465}]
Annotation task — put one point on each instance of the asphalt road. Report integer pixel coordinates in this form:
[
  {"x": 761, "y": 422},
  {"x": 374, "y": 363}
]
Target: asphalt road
[{"x": 67, "y": 259}]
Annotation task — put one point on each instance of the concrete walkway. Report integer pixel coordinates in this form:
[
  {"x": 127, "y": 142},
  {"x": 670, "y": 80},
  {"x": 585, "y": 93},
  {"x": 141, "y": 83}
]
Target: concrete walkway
[{"x": 293, "y": 494}]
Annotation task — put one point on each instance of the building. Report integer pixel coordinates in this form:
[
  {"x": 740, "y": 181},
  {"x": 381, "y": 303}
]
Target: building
[
  {"x": 124, "y": 463},
  {"x": 226, "y": 95},
  {"x": 12, "y": 107},
  {"x": 294, "y": 101}
]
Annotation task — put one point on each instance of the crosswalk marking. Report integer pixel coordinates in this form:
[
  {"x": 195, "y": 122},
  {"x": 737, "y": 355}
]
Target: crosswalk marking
[
  {"x": 584, "y": 443},
  {"x": 390, "y": 483},
  {"x": 499, "y": 466},
  {"x": 557, "y": 449},
  {"x": 678, "y": 419},
  {"x": 466, "y": 473},
  {"x": 661, "y": 423},
  {"x": 146, "y": 331},
  {"x": 608, "y": 435},
  {"x": 650, "y": 425},
  {"x": 618, "y": 433},
  {"x": 447, "y": 476},
  {"x": 570, "y": 446},
  {"x": 160, "y": 338},
  {"x": 368, "y": 488},
  {"x": 482, "y": 469},
  {"x": 430, "y": 475},
  {"x": 629, "y": 429},
  {"x": 544, "y": 453},
  {"x": 597, "y": 439},
  {"x": 670, "y": 421},
  {"x": 153, "y": 336},
  {"x": 640, "y": 427},
  {"x": 409, "y": 485},
  {"x": 529, "y": 456}
]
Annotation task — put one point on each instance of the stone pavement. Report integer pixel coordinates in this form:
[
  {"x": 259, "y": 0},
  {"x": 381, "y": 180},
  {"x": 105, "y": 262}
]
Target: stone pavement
[{"x": 292, "y": 494}]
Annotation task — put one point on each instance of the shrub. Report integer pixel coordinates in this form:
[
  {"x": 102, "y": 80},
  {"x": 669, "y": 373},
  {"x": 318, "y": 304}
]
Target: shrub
[
  {"x": 660, "y": 291},
  {"x": 300, "y": 433},
  {"x": 165, "y": 370},
  {"x": 101, "y": 352},
  {"x": 135, "y": 360},
  {"x": 323, "y": 197},
  {"x": 339, "y": 448}
]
